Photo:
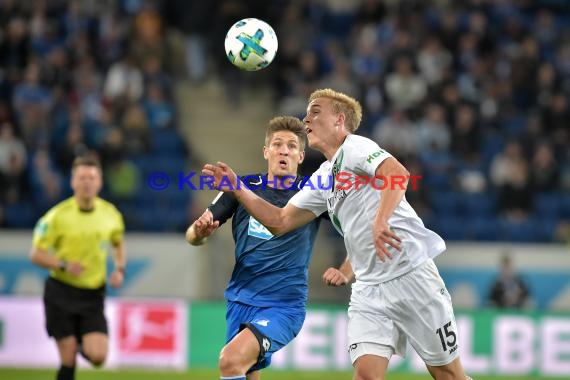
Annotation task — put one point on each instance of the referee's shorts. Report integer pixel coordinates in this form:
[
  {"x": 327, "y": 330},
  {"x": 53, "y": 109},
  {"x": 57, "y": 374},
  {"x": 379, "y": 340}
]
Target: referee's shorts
[{"x": 72, "y": 311}]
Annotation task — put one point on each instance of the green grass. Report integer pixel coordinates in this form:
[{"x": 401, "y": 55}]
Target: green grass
[{"x": 84, "y": 374}]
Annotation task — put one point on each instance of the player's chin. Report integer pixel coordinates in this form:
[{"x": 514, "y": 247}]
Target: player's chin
[
  {"x": 311, "y": 141},
  {"x": 284, "y": 171}
]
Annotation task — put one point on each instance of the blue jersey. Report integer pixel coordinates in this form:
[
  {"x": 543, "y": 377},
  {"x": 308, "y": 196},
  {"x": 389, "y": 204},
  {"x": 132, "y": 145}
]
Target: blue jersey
[{"x": 269, "y": 270}]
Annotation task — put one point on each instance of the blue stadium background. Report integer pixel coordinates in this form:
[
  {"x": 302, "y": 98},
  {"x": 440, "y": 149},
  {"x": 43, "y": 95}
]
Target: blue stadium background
[{"x": 473, "y": 95}]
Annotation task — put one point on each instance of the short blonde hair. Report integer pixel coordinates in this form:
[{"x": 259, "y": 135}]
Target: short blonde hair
[{"x": 342, "y": 103}]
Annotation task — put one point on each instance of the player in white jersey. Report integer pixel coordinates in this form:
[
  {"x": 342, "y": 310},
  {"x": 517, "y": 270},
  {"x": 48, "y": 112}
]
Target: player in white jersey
[{"x": 398, "y": 296}]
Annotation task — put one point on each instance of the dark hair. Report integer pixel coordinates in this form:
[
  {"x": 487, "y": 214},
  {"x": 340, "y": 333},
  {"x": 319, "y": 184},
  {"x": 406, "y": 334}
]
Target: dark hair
[
  {"x": 85, "y": 161},
  {"x": 286, "y": 123}
]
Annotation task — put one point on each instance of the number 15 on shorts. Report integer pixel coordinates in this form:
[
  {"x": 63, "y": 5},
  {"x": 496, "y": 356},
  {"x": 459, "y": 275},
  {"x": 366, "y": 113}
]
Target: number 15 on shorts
[{"x": 447, "y": 337}]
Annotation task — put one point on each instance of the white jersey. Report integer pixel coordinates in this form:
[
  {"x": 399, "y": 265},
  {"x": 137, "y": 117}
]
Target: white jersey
[{"x": 352, "y": 211}]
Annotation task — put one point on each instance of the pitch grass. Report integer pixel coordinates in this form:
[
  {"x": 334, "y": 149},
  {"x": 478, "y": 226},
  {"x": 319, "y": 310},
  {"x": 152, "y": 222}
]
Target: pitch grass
[{"x": 85, "y": 374}]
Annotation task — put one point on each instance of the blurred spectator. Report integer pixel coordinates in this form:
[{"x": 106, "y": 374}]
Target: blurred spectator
[
  {"x": 135, "y": 129},
  {"x": 45, "y": 180},
  {"x": 10, "y": 145},
  {"x": 159, "y": 110},
  {"x": 433, "y": 131},
  {"x": 148, "y": 39},
  {"x": 112, "y": 149},
  {"x": 504, "y": 163},
  {"x": 13, "y": 160},
  {"x": 465, "y": 133},
  {"x": 434, "y": 60},
  {"x": 153, "y": 74},
  {"x": 14, "y": 46},
  {"x": 544, "y": 170},
  {"x": 509, "y": 291},
  {"x": 32, "y": 102},
  {"x": 397, "y": 134},
  {"x": 516, "y": 196},
  {"x": 404, "y": 88},
  {"x": 122, "y": 178},
  {"x": 340, "y": 77},
  {"x": 124, "y": 82},
  {"x": 189, "y": 18},
  {"x": 72, "y": 147}
]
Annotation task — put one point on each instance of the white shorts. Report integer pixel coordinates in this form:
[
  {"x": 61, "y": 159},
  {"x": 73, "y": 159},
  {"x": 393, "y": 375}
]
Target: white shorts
[{"x": 414, "y": 308}]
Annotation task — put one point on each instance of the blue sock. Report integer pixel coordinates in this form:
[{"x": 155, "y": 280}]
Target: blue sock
[{"x": 242, "y": 377}]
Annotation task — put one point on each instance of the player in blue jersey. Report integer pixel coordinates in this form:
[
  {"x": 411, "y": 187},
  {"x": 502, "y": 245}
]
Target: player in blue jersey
[{"x": 267, "y": 292}]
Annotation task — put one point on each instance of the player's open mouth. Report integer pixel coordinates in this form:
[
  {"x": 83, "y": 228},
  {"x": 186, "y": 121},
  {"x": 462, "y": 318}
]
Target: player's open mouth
[
  {"x": 283, "y": 163},
  {"x": 308, "y": 130}
]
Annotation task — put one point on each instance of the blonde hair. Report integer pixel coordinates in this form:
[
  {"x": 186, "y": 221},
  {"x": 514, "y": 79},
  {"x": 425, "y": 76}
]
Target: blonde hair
[
  {"x": 342, "y": 103},
  {"x": 286, "y": 123}
]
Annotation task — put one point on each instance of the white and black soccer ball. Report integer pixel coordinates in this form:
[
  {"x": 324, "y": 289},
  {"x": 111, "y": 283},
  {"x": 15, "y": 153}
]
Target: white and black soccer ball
[{"x": 251, "y": 44}]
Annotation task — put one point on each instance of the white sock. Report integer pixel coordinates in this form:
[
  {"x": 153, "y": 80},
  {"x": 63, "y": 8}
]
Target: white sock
[{"x": 241, "y": 377}]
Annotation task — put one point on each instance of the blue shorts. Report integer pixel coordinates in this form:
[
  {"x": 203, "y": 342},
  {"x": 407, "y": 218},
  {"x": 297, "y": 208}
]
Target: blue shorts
[{"x": 274, "y": 327}]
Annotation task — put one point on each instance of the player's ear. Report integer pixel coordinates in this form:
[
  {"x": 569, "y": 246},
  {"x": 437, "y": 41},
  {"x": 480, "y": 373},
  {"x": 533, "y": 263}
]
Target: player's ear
[
  {"x": 301, "y": 156},
  {"x": 265, "y": 153}
]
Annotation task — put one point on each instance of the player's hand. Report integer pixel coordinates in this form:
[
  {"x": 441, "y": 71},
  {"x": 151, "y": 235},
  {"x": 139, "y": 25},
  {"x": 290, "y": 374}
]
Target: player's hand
[
  {"x": 224, "y": 177},
  {"x": 74, "y": 268},
  {"x": 334, "y": 277},
  {"x": 384, "y": 237},
  {"x": 205, "y": 225},
  {"x": 117, "y": 278}
]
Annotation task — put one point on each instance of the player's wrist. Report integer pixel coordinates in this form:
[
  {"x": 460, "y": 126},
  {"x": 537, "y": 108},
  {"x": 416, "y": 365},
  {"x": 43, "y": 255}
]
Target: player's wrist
[
  {"x": 62, "y": 266},
  {"x": 120, "y": 269}
]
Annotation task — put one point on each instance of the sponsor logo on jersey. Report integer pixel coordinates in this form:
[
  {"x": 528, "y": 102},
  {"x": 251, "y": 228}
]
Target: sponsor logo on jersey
[
  {"x": 258, "y": 230},
  {"x": 374, "y": 155}
]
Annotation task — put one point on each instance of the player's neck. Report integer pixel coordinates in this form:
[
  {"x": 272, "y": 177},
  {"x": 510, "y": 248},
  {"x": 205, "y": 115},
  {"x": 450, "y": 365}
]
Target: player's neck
[
  {"x": 331, "y": 150},
  {"x": 85, "y": 204}
]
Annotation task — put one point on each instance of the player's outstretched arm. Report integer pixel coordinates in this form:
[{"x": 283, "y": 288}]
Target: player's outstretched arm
[
  {"x": 339, "y": 277},
  {"x": 277, "y": 220},
  {"x": 202, "y": 228}
]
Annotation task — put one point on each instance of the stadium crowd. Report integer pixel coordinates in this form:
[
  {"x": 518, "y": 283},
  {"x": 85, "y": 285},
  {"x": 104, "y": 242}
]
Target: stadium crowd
[
  {"x": 87, "y": 78},
  {"x": 473, "y": 95}
]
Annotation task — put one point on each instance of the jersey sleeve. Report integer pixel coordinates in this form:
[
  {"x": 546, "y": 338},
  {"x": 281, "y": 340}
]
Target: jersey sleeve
[
  {"x": 366, "y": 159},
  {"x": 223, "y": 206},
  {"x": 45, "y": 232},
  {"x": 310, "y": 197},
  {"x": 118, "y": 234}
]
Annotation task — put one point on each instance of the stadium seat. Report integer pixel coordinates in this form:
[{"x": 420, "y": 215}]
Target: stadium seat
[
  {"x": 484, "y": 229},
  {"x": 548, "y": 205},
  {"x": 452, "y": 228},
  {"x": 480, "y": 205},
  {"x": 167, "y": 143},
  {"x": 445, "y": 203},
  {"x": 520, "y": 232},
  {"x": 19, "y": 215},
  {"x": 565, "y": 206}
]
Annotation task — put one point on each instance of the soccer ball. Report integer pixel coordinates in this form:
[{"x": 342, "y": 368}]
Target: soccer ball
[{"x": 251, "y": 44}]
